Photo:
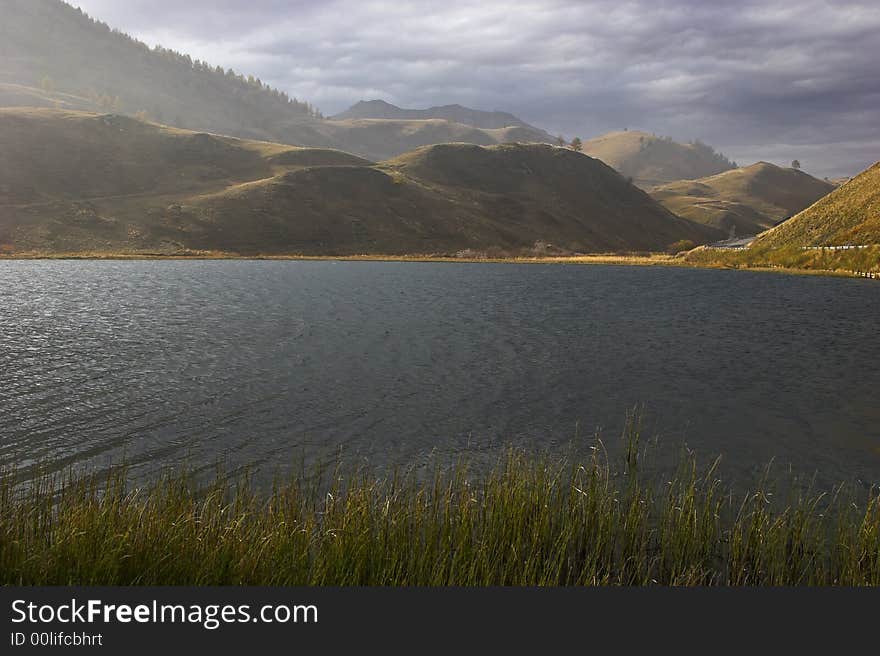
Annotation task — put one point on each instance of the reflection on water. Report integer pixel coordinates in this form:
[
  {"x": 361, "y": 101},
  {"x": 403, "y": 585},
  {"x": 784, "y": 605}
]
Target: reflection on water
[{"x": 262, "y": 363}]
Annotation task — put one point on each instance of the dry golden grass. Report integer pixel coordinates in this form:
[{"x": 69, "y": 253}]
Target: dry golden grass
[
  {"x": 848, "y": 215},
  {"x": 792, "y": 259}
]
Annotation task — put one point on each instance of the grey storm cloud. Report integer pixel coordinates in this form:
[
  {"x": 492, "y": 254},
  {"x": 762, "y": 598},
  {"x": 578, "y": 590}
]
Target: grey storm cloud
[{"x": 773, "y": 80}]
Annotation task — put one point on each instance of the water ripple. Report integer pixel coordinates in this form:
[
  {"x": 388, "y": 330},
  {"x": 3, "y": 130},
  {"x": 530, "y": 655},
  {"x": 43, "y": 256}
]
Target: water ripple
[{"x": 257, "y": 363}]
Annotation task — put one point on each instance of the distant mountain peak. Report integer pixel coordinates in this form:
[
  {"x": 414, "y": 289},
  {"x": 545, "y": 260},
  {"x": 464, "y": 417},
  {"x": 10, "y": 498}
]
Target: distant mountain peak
[{"x": 377, "y": 102}]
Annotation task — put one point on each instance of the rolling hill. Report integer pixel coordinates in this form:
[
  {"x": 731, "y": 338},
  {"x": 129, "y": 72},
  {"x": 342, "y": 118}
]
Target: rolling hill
[
  {"x": 743, "y": 201},
  {"x": 651, "y": 161},
  {"x": 82, "y": 182},
  {"x": 454, "y": 113},
  {"x": 848, "y": 215},
  {"x": 82, "y": 64},
  {"x": 385, "y": 138}
]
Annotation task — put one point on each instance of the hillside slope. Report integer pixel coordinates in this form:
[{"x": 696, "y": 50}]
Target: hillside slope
[
  {"x": 848, "y": 215},
  {"x": 650, "y": 160},
  {"x": 48, "y": 155},
  {"x": 81, "y": 64},
  {"x": 78, "y": 182},
  {"x": 743, "y": 201}
]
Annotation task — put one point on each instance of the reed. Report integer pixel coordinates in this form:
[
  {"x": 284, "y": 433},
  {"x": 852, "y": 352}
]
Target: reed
[{"x": 529, "y": 520}]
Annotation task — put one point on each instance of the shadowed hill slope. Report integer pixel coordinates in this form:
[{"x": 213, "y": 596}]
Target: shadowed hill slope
[
  {"x": 50, "y": 155},
  {"x": 76, "y": 182},
  {"x": 743, "y": 201},
  {"x": 455, "y": 197},
  {"x": 652, "y": 161},
  {"x": 848, "y": 215}
]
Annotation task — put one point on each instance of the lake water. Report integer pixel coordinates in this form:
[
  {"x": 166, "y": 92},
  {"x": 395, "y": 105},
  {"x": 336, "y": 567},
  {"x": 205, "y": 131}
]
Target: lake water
[{"x": 262, "y": 363}]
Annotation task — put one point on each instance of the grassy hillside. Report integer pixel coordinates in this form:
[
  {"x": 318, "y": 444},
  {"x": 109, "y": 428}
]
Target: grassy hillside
[
  {"x": 48, "y": 155},
  {"x": 79, "y": 182},
  {"x": 650, "y": 160},
  {"x": 848, "y": 215},
  {"x": 76, "y": 181},
  {"x": 52, "y": 55},
  {"x": 62, "y": 155},
  {"x": 743, "y": 201},
  {"x": 444, "y": 199},
  {"x": 385, "y": 138}
]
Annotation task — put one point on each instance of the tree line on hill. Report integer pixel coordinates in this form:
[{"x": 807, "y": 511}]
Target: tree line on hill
[{"x": 80, "y": 61}]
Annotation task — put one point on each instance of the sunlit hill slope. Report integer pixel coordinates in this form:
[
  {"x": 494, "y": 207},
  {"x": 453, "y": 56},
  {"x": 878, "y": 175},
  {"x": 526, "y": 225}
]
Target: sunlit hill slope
[{"x": 850, "y": 215}]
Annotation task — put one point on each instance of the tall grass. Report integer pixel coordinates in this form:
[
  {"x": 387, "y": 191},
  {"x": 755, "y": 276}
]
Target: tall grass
[{"x": 529, "y": 521}]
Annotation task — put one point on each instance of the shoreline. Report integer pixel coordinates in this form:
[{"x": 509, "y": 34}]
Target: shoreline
[
  {"x": 654, "y": 259},
  {"x": 598, "y": 258}
]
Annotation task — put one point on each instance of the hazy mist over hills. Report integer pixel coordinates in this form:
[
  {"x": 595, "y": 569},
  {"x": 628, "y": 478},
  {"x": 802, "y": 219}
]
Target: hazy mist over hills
[
  {"x": 777, "y": 81},
  {"x": 81, "y": 63},
  {"x": 651, "y": 160}
]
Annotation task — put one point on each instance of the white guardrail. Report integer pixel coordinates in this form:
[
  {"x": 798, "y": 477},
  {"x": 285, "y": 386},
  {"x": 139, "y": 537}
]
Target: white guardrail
[{"x": 847, "y": 247}]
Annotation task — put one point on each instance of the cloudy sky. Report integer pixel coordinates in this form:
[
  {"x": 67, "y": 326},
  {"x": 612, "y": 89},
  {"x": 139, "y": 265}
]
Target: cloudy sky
[{"x": 769, "y": 79}]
